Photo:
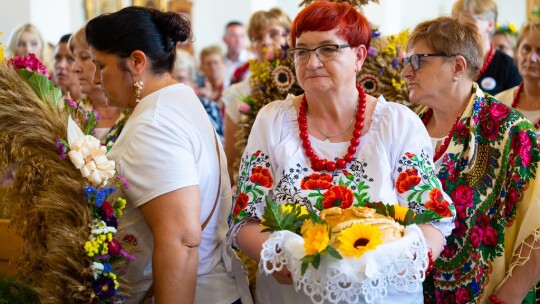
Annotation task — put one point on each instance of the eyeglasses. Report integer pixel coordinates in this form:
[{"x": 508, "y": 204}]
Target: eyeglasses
[
  {"x": 275, "y": 35},
  {"x": 324, "y": 52},
  {"x": 416, "y": 59}
]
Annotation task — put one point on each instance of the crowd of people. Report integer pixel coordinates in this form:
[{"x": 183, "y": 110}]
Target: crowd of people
[{"x": 471, "y": 143}]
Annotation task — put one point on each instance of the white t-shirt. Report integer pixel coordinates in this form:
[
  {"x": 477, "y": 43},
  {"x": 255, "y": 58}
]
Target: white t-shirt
[
  {"x": 167, "y": 144},
  {"x": 396, "y": 141},
  {"x": 232, "y": 98}
]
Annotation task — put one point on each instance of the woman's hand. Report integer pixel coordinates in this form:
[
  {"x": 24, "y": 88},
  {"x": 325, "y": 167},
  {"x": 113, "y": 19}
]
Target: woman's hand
[{"x": 283, "y": 276}]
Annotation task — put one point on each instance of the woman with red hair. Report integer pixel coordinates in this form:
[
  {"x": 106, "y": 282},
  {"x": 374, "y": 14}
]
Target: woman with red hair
[{"x": 333, "y": 146}]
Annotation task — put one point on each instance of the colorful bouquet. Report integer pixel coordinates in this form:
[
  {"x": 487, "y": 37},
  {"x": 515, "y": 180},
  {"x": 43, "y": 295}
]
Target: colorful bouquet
[
  {"x": 66, "y": 211},
  {"x": 344, "y": 255}
]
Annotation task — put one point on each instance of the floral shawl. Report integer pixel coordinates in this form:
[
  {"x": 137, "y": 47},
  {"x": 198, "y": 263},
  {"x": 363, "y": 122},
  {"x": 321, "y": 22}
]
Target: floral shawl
[
  {"x": 489, "y": 170},
  {"x": 85, "y": 107}
]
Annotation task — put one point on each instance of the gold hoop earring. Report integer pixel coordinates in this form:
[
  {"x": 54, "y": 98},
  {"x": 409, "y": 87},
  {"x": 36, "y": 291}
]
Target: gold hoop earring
[{"x": 137, "y": 88}]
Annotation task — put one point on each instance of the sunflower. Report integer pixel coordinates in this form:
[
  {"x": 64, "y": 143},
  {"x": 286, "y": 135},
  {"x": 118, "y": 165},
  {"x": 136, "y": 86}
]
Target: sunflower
[
  {"x": 283, "y": 78},
  {"x": 358, "y": 239},
  {"x": 400, "y": 212},
  {"x": 316, "y": 237}
]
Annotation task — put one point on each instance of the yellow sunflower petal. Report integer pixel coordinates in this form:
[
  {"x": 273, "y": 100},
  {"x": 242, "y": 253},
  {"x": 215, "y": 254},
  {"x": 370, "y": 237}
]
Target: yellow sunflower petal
[
  {"x": 316, "y": 237},
  {"x": 400, "y": 212},
  {"x": 358, "y": 239}
]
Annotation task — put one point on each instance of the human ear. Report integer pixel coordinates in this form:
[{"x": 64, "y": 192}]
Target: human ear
[
  {"x": 460, "y": 66},
  {"x": 361, "y": 54},
  {"x": 137, "y": 62}
]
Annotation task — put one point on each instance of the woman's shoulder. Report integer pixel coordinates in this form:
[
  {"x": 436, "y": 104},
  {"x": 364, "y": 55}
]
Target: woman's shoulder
[
  {"x": 507, "y": 96},
  {"x": 392, "y": 111}
]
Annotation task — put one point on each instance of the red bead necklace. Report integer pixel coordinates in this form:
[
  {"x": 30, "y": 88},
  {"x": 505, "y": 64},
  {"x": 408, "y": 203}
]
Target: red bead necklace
[
  {"x": 318, "y": 164},
  {"x": 444, "y": 146},
  {"x": 516, "y": 102},
  {"x": 488, "y": 61}
]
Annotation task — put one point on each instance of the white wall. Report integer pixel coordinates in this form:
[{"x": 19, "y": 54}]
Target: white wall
[{"x": 57, "y": 17}]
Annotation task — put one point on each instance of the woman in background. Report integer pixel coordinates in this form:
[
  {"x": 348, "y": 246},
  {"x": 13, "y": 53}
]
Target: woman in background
[
  {"x": 27, "y": 39},
  {"x": 111, "y": 119},
  {"x": 525, "y": 97}
]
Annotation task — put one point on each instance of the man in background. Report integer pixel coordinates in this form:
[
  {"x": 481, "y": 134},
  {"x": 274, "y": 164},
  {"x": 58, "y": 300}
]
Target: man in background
[{"x": 236, "y": 53}]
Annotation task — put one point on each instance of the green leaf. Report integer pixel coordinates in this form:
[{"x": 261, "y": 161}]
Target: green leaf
[
  {"x": 426, "y": 217},
  {"x": 314, "y": 194},
  {"x": 42, "y": 86},
  {"x": 379, "y": 207},
  {"x": 275, "y": 219},
  {"x": 333, "y": 253},
  {"x": 316, "y": 260},
  {"x": 305, "y": 265}
]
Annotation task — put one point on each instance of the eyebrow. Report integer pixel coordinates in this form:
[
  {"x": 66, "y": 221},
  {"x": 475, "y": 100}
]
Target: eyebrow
[{"x": 328, "y": 41}]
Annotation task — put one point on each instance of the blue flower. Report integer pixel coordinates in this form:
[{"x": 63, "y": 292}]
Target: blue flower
[{"x": 104, "y": 288}]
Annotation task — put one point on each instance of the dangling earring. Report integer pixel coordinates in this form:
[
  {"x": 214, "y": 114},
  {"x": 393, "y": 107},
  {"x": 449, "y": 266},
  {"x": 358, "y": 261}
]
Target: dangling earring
[{"x": 137, "y": 87}]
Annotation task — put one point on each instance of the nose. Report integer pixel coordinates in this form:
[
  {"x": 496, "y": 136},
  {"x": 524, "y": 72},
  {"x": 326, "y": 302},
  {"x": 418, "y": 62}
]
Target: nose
[
  {"x": 313, "y": 61},
  {"x": 97, "y": 77},
  {"x": 407, "y": 71},
  {"x": 535, "y": 57}
]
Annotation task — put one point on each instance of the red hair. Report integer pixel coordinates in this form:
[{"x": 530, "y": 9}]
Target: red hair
[{"x": 352, "y": 26}]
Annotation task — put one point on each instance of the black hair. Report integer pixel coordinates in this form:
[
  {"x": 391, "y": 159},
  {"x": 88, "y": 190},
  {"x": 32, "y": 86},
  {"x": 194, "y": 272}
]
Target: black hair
[
  {"x": 233, "y": 23},
  {"x": 138, "y": 28},
  {"x": 64, "y": 39}
]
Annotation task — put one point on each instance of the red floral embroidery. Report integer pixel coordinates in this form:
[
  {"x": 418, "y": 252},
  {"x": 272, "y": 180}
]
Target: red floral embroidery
[
  {"x": 438, "y": 204},
  {"x": 261, "y": 176},
  {"x": 463, "y": 296},
  {"x": 477, "y": 236},
  {"x": 489, "y": 126},
  {"x": 490, "y": 236},
  {"x": 521, "y": 145},
  {"x": 407, "y": 180},
  {"x": 240, "y": 204},
  {"x": 316, "y": 182},
  {"x": 338, "y": 196}
]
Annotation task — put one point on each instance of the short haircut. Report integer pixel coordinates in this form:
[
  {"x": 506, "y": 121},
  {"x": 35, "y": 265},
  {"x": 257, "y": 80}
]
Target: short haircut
[
  {"x": 451, "y": 35},
  {"x": 209, "y": 50},
  {"x": 261, "y": 20},
  {"x": 233, "y": 23},
  {"x": 325, "y": 16},
  {"x": 484, "y": 8}
]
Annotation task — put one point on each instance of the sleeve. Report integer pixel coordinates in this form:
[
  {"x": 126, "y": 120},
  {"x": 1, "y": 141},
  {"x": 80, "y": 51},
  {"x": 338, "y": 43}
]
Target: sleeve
[
  {"x": 232, "y": 98},
  {"x": 158, "y": 160},
  {"x": 256, "y": 172},
  {"x": 414, "y": 176}
]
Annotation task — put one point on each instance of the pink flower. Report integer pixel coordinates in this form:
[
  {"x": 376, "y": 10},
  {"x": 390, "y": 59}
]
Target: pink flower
[
  {"x": 521, "y": 145},
  {"x": 490, "y": 236},
  {"x": 30, "y": 63},
  {"x": 477, "y": 235},
  {"x": 463, "y": 296},
  {"x": 448, "y": 251},
  {"x": 244, "y": 108},
  {"x": 463, "y": 196},
  {"x": 460, "y": 228},
  {"x": 499, "y": 111},
  {"x": 114, "y": 247}
]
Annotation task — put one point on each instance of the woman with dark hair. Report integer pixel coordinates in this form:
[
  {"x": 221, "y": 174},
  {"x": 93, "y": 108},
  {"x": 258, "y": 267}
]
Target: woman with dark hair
[
  {"x": 179, "y": 193},
  {"x": 487, "y": 157},
  {"x": 334, "y": 146}
]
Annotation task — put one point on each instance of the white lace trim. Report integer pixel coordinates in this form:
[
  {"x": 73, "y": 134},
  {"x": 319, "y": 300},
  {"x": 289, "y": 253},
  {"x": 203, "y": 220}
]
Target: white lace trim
[{"x": 392, "y": 265}]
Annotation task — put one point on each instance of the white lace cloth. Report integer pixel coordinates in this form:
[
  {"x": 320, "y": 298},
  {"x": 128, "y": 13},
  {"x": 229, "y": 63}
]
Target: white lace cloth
[{"x": 399, "y": 264}]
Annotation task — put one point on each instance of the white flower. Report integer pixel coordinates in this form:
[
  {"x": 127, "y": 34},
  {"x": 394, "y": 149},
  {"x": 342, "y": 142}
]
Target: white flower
[
  {"x": 97, "y": 269},
  {"x": 87, "y": 154}
]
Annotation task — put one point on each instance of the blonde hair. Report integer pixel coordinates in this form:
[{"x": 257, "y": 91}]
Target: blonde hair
[
  {"x": 16, "y": 35},
  {"x": 485, "y": 8},
  {"x": 261, "y": 20},
  {"x": 532, "y": 26},
  {"x": 451, "y": 36},
  {"x": 210, "y": 50},
  {"x": 185, "y": 61},
  {"x": 78, "y": 38}
]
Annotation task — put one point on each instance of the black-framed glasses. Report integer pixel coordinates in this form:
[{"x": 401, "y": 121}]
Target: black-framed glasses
[
  {"x": 324, "y": 52},
  {"x": 416, "y": 59}
]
